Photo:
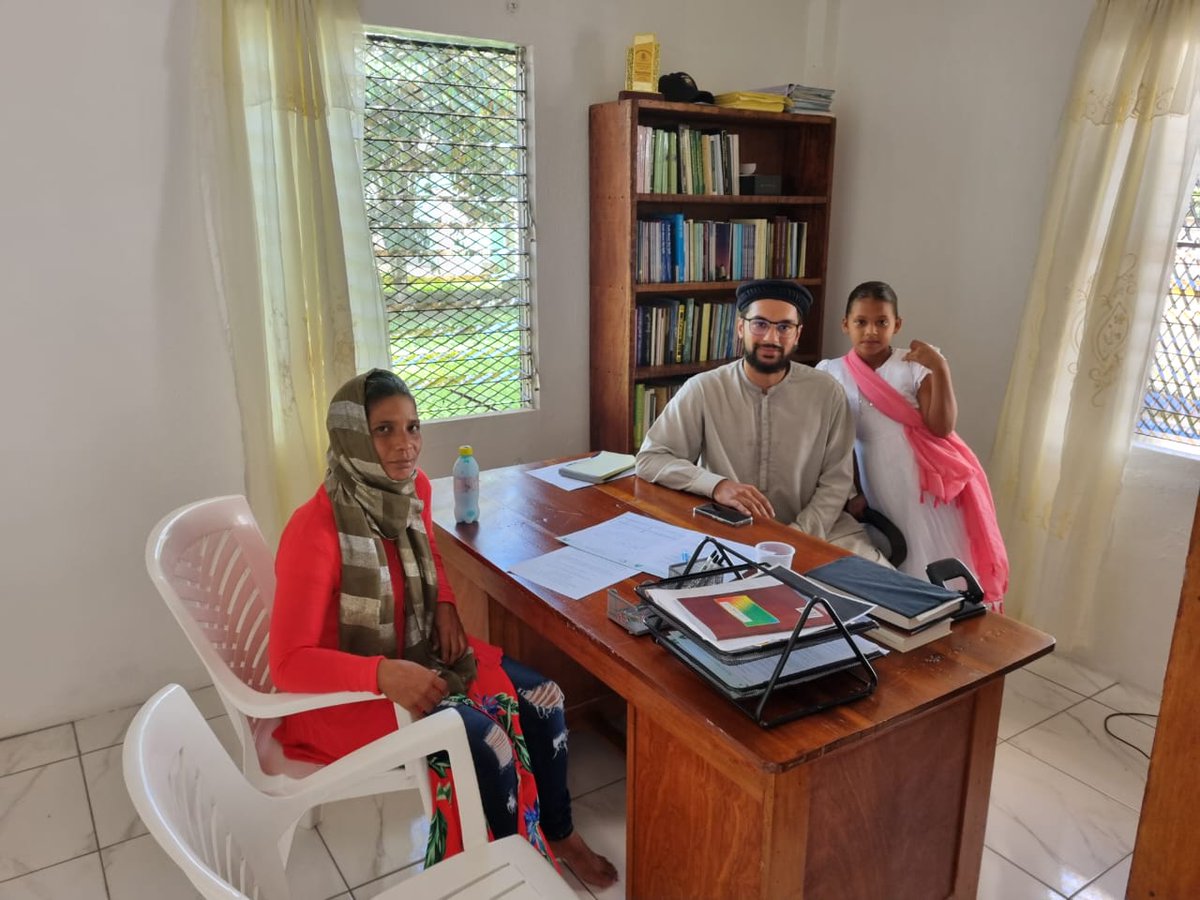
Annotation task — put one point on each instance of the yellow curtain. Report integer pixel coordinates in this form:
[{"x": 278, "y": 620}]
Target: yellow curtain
[
  {"x": 1126, "y": 164},
  {"x": 280, "y": 103}
]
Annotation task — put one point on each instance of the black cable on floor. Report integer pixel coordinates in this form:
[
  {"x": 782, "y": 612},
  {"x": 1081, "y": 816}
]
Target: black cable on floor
[{"x": 1121, "y": 739}]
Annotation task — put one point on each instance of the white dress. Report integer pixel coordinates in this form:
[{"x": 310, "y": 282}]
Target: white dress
[{"x": 888, "y": 470}]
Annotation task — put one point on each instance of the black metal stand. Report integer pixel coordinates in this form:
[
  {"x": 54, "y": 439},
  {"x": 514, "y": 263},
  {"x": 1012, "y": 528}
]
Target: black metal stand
[{"x": 754, "y": 702}]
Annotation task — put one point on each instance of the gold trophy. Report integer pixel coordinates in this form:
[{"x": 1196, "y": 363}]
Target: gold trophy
[{"x": 641, "y": 64}]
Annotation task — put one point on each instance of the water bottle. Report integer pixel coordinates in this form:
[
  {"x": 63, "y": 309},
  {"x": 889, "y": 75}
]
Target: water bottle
[{"x": 466, "y": 486}]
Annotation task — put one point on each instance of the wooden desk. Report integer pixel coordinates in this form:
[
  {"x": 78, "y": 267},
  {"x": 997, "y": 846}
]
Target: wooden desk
[{"x": 886, "y": 797}]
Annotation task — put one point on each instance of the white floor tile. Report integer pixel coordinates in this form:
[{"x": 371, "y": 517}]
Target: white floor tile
[
  {"x": 105, "y": 729},
  {"x": 375, "y": 888},
  {"x": 310, "y": 870},
  {"x": 223, "y": 729},
  {"x": 1124, "y": 698},
  {"x": 38, "y": 748},
  {"x": 140, "y": 870},
  {"x": 574, "y": 883},
  {"x": 1029, "y": 699},
  {"x": 44, "y": 818},
  {"x": 1001, "y": 880},
  {"x": 1070, "y": 674},
  {"x": 1056, "y": 828},
  {"x": 207, "y": 701},
  {"x": 116, "y": 819},
  {"x": 77, "y": 879},
  {"x": 1111, "y": 885},
  {"x": 600, "y": 818},
  {"x": 1075, "y": 741},
  {"x": 593, "y": 762},
  {"x": 370, "y": 837}
]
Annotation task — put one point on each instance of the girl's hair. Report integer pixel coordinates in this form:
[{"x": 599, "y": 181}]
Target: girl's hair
[
  {"x": 381, "y": 384},
  {"x": 874, "y": 290}
]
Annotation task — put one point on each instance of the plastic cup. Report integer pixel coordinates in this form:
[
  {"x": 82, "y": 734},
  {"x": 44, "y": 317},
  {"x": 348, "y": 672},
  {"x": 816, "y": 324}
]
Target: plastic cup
[{"x": 775, "y": 553}]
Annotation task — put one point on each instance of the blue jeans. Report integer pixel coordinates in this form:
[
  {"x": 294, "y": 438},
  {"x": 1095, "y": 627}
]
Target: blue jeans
[{"x": 540, "y": 703}]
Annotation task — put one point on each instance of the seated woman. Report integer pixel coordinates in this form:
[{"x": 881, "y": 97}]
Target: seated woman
[{"x": 339, "y": 624}]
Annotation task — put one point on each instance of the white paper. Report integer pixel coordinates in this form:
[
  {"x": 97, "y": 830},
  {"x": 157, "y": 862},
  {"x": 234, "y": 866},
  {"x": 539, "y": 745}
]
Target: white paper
[
  {"x": 644, "y": 544},
  {"x": 550, "y": 476},
  {"x": 572, "y": 572}
]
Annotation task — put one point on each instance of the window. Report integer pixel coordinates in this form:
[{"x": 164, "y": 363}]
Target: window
[
  {"x": 1171, "y": 407},
  {"x": 445, "y": 178}
]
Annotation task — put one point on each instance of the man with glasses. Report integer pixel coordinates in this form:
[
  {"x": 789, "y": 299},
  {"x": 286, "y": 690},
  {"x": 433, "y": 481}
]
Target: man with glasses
[{"x": 764, "y": 435}]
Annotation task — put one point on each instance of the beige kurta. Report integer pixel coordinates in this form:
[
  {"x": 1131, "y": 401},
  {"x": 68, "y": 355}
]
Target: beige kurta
[{"x": 793, "y": 442}]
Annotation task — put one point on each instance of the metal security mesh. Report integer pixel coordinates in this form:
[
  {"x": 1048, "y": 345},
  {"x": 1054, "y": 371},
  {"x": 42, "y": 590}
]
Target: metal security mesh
[
  {"x": 1171, "y": 408},
  {"x": 446, "y": 187}
]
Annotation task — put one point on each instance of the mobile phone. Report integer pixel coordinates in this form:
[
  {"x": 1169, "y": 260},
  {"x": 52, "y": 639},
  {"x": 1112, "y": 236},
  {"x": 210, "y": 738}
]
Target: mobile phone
[{"x": 726, "y": 514}]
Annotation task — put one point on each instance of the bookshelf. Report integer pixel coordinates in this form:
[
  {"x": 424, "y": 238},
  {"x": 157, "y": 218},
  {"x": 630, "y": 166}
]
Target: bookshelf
[{"x": 798, "y": 148}]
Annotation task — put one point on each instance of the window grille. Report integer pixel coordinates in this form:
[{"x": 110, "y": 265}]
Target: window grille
[
  {"x": 1171, "y": 407},
  {"x": 445, "y": 178}
]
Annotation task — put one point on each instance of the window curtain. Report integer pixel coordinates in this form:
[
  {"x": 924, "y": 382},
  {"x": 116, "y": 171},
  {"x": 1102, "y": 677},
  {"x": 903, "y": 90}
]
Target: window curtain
[
  {"x": 1126, "y": 164},
  {"x": 280, "y": 104}
]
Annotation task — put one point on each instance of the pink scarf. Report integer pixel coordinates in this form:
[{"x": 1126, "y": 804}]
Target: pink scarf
[{"x": 948, "y": 471}]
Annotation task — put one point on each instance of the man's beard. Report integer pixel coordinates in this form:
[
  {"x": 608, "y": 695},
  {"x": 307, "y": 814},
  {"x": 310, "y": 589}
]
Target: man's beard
[{"x": 766, "y": 368}]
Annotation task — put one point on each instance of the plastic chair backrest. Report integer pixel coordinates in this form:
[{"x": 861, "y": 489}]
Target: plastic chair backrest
[
  {"x": 216, "y": 574},
  {"x": 214, "y": 571},
  {"x": 221, "y": 832}
]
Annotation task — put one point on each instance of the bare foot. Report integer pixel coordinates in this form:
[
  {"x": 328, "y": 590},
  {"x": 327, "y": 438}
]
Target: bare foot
[{"x": 586, "y": 863}]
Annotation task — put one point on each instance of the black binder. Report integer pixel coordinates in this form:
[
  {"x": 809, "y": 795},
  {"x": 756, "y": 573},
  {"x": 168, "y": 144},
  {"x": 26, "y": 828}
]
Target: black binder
[{"x": 840, "y": 673}]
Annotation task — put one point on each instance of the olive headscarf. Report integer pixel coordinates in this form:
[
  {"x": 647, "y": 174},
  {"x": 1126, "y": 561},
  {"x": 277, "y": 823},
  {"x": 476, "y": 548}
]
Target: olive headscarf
[{"x": 369, "y": 508}]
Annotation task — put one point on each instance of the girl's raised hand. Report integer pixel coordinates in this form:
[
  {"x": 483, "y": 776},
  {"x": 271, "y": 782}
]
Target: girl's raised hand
[{"x": 926, "y": 355}]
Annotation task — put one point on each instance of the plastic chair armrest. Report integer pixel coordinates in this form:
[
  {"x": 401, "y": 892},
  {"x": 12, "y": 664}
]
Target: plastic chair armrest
[
  {"x": 443, "y": 730},
  {"x": 258, "y": 705}
]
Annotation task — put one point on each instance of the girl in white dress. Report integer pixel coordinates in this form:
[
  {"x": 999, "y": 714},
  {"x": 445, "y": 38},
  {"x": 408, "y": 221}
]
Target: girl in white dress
[{"x": 911, "y": 465}]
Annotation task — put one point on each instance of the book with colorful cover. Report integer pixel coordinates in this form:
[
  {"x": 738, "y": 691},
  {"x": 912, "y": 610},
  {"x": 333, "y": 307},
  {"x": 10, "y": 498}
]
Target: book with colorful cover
[{"x": 749, "y": 613}]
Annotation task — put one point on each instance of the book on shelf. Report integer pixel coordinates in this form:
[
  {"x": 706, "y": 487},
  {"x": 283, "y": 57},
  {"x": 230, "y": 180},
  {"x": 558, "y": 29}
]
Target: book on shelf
[
  {"x": 686, "y": 160},
  {"x": 604, "y": 466},
  {"x": 752, "y": 612},
  {"x": 902, "y": 639},
  {"x": 756, "y": 100},
  {"x": 673, "y": 249},
  {"x": 801, "y": 97},
  {"x": 900, "y": 600}
]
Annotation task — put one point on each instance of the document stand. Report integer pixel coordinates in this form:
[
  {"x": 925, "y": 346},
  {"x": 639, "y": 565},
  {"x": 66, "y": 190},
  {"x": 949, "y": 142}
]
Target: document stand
[{"x": 753, "y": 701}]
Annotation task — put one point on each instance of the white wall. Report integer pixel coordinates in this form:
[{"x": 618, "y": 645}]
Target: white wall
[{"x": 117, "y": 393}]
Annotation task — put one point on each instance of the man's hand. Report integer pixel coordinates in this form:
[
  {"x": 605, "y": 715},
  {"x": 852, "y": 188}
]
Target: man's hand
[
  {"x": 857, "y": 506},
  {"x": 744, "y": 497},
  {"x": 413, "y": 686},
  {"x": 452, "y": 638}
]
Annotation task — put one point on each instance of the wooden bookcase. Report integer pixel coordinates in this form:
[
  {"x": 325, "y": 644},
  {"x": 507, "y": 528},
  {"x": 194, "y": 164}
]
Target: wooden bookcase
[{"x": 799, "y": 148}]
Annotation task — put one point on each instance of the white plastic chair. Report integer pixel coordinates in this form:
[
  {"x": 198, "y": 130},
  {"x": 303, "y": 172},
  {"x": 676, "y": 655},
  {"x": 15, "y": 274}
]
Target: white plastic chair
[
  {"x": 223, "y": 833},
  {"x": 214, "y": 570}
]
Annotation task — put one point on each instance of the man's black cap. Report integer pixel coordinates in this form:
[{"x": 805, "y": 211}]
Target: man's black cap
[
  {"x": 679, "y": 87},
  {"x": 775, "y": 289}
]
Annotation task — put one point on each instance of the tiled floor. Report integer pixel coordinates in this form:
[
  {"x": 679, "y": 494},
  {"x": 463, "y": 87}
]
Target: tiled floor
[{"x": 1064, "y": 809}]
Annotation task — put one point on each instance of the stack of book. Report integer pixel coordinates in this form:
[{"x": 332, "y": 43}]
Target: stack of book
[
  {"x": 799, "y": 98},
  {"x": 910, "y": 612},
  {"x": 671, "y": 248},
  {"x": 761, "y": 101},
  {"x": 684, "y": 160},
  {"x": 673, "y": 330}
]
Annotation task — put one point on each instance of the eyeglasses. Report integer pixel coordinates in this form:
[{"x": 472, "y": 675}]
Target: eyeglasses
[{"x": 760, "y": 327}]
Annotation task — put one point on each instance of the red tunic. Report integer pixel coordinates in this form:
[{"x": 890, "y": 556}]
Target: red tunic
[{"x": 303, "y": 645}]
